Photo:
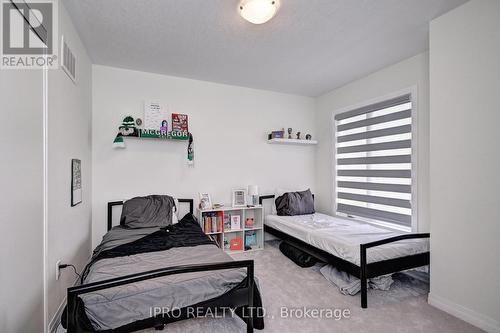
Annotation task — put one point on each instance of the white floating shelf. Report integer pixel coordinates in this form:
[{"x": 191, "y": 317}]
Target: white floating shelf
[{"x": 292, "y": 142}]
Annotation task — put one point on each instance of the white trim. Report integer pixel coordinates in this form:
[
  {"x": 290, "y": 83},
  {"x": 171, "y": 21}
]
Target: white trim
[
  {"x": 414, "y": 158},
  {"x": 45, "y": 202},
  {"x": 333, "y": 163},
  {"x": 472, "y": 317},
  {"x": 56, "y": 319},
  {"x": 414, "y": 146}
]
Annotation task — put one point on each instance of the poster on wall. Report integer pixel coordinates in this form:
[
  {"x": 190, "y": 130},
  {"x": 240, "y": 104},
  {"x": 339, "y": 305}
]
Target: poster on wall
[
  {"x": 155, "y": 116},
  {"x": 76, "y": 182},
  {"x": 180, "y": 122}
]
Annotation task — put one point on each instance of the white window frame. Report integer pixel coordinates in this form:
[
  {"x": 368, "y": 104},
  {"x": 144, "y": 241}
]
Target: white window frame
[{"x": 414, "y": 158}]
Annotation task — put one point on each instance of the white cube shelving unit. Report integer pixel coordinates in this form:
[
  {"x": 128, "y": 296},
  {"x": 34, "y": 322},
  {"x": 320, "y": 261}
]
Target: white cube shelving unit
[{"x": 223, "y": 234}]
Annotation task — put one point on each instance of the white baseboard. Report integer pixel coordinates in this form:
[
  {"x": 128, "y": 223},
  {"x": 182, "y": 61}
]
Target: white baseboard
[
  {"x": 472, "y": 317},
  {"x": 56, "y": 320}
]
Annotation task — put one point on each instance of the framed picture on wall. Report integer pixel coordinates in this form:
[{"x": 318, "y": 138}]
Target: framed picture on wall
[
  {"x": 76, "y": 182},
  {"x": 239, "y": 198}
]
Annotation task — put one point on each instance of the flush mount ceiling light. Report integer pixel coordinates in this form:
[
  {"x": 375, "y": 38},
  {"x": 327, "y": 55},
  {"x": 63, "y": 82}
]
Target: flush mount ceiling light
[{"x": 258, "y": 11}]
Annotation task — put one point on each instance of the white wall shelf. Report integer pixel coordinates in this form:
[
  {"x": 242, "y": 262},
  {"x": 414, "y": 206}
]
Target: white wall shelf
[{"x": 292, "y": 142}]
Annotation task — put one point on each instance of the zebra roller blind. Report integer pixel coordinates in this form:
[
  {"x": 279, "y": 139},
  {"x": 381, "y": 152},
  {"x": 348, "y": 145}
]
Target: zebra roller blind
[{"x": 373, "y": 161}]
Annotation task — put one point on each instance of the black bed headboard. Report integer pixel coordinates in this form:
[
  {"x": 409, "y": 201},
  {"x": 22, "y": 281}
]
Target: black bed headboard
[
  {"x": 120, "y": 203},
  {"x": 264, "y": 197}
]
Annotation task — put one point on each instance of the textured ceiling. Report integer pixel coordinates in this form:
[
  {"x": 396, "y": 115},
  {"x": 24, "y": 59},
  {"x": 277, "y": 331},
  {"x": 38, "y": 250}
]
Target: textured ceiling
[{"x": 310, "y": 47}]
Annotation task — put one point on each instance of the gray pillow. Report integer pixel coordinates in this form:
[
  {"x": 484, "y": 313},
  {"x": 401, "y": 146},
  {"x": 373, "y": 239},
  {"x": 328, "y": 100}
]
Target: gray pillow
[
  {"x": 295, "y": 203},
  {"x": 147, "y": 212}
]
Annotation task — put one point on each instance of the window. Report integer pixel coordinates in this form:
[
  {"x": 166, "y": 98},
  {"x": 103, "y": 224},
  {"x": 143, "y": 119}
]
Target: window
[{"x": 374, "y": 163}]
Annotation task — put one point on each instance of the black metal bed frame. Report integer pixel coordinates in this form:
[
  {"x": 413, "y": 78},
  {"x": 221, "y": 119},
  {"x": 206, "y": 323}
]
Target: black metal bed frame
[
  {"x": 242, "y": 296},
  {"x": 365, "y": 270}
]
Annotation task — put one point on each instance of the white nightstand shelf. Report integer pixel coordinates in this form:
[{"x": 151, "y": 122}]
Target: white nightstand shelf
[{"x": 251, "y": 237}]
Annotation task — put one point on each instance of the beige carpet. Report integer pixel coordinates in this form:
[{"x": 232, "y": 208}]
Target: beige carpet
[{"x": 283, "y": 284}]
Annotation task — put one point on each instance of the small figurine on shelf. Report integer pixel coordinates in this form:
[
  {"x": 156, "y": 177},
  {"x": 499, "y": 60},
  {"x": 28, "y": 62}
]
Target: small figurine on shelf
[
  {"x": 290, "y": 132},
  {"x": 308, "y": 137},
  {"x": 298, "y": 135}
]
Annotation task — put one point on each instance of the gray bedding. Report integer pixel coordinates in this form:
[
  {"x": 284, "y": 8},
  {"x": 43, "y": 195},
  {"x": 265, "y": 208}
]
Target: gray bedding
[
  {"x": 148, "y": 211},
  {"x": 114, "y": 307},
  {"x": 120, "y": 235}
]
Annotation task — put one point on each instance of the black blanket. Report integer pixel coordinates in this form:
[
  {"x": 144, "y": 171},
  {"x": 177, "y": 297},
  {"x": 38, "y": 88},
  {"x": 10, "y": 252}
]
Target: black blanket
[{"x": 185, "y": 233}]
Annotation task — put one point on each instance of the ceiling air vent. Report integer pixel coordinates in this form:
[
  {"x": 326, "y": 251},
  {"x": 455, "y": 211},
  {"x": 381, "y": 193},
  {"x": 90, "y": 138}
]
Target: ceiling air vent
[{"x": 68, "y": 60}]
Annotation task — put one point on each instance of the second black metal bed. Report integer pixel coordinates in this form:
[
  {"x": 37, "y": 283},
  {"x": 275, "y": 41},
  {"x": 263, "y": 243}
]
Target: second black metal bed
[{"x": 365, "y": 270}]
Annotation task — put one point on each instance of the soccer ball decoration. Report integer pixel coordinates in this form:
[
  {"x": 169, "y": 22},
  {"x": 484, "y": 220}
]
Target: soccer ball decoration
[{"x": 127, "y": 128}]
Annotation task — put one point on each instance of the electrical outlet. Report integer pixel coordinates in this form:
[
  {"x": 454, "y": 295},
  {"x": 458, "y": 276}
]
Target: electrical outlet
[{"x": 58, "y": 270}]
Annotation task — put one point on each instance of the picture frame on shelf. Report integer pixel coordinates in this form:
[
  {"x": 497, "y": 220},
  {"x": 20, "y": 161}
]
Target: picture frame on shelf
[
  {"x": 239, "y": 198},
  {"x": 205, "y": 201},
  {"x": 235, "y": 222}
]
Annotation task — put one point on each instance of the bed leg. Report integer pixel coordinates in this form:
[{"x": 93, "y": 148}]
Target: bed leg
[
  {"x": 71, "y": 312},
  {"x": 250, "y": 277},
  {"x": 364, "y": 295},
  {"x": 250, "y": 325},
  {"x": 362, "y": 277}
]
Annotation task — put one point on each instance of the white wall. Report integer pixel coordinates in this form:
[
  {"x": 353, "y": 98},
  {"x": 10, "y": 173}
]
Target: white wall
[
  {"x": 465, "y": 163},
  {"x": 70, "y": 111},
  {"x": 21, "y": 207},
  {"x": 406, "y": 74},
  {"x": 229, "y": 125}
]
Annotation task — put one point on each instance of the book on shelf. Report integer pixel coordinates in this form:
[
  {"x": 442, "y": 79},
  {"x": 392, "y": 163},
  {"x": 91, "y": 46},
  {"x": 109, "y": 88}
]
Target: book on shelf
[
  {"x": 212, "y": 222},
  {"x": 227, "y": 221},
  {"x": 250, "y": 238},
  {"x": 206, "y": 224},
  {"x": 220, "y": 218},
  {"x": 236, "y": 244}
]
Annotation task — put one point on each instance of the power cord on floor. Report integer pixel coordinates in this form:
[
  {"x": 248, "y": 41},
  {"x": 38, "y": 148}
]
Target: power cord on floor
[{"x": 61, "y": 266}]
